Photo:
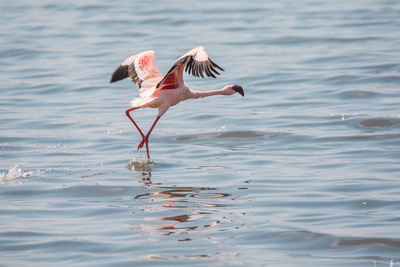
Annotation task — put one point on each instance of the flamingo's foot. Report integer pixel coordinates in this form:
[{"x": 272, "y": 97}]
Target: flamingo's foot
[{"x": 141, "y": 144}]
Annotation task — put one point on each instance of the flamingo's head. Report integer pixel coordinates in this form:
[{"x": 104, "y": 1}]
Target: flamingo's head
[{"x": 237, "y": 89}]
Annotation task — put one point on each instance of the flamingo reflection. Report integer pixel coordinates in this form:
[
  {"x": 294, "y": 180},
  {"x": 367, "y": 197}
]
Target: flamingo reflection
[{"x": 185, "y": 208}]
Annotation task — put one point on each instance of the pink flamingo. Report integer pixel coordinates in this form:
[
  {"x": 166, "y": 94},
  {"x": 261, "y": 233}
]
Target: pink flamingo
[{"x": 162, "y": 92}]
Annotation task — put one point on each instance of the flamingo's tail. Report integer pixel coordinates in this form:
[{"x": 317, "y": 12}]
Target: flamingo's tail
[{"x": 142, "y": 102}]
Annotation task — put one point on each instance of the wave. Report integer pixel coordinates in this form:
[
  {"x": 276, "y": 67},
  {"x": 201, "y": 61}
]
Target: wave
[{"x": 226, "y": 135}]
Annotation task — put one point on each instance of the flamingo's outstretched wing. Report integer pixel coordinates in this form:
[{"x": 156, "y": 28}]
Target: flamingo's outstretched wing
[
  {"x": 197, "y": 63},
  {"x": 140, "y": 68}
]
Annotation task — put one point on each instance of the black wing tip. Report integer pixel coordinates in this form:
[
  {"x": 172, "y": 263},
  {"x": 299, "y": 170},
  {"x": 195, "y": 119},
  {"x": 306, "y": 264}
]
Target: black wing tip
[
  {"x": 212, "y": 69},
  {"x": 119, "y": 74},
  {"x": 202, "y": 69},
  {"x": 215, "y": 65}
]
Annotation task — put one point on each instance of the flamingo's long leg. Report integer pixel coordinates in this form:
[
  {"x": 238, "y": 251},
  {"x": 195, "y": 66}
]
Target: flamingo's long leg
[
  {"x": 146, "y": 138},
  {"x": 127, "y": 112}
]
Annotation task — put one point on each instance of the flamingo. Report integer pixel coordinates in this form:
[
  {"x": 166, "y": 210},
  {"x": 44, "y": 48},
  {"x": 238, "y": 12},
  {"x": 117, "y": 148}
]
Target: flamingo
[{"x": 162, "y": 92}]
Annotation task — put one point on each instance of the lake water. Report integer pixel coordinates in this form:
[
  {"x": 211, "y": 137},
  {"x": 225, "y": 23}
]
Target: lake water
[{"x": 302, "y": 171}]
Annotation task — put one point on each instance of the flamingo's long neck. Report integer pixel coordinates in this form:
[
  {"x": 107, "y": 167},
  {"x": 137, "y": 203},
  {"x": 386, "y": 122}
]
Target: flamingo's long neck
[{"x": 200, "y": 94}]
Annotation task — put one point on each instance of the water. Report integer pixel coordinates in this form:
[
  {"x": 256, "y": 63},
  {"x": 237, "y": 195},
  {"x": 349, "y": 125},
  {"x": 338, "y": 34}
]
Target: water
[{"x": 303, "y": 171}]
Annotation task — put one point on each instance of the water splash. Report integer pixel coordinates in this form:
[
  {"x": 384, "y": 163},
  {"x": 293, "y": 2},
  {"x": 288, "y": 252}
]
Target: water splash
[
  {"x": 15, "y": 172},
  {"x": 142, "y": 165}
]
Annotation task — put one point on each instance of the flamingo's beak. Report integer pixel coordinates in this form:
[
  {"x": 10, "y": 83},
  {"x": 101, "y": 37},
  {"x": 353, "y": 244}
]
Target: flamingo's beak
[{"x": 238, "y": 89}]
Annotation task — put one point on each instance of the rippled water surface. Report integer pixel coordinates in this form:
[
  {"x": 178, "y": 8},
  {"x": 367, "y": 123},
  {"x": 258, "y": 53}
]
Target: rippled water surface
[{"x": 302, "y": 171}]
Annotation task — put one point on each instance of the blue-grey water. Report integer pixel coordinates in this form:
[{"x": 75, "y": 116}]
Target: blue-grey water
[{"x": 302, "y": 171}]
